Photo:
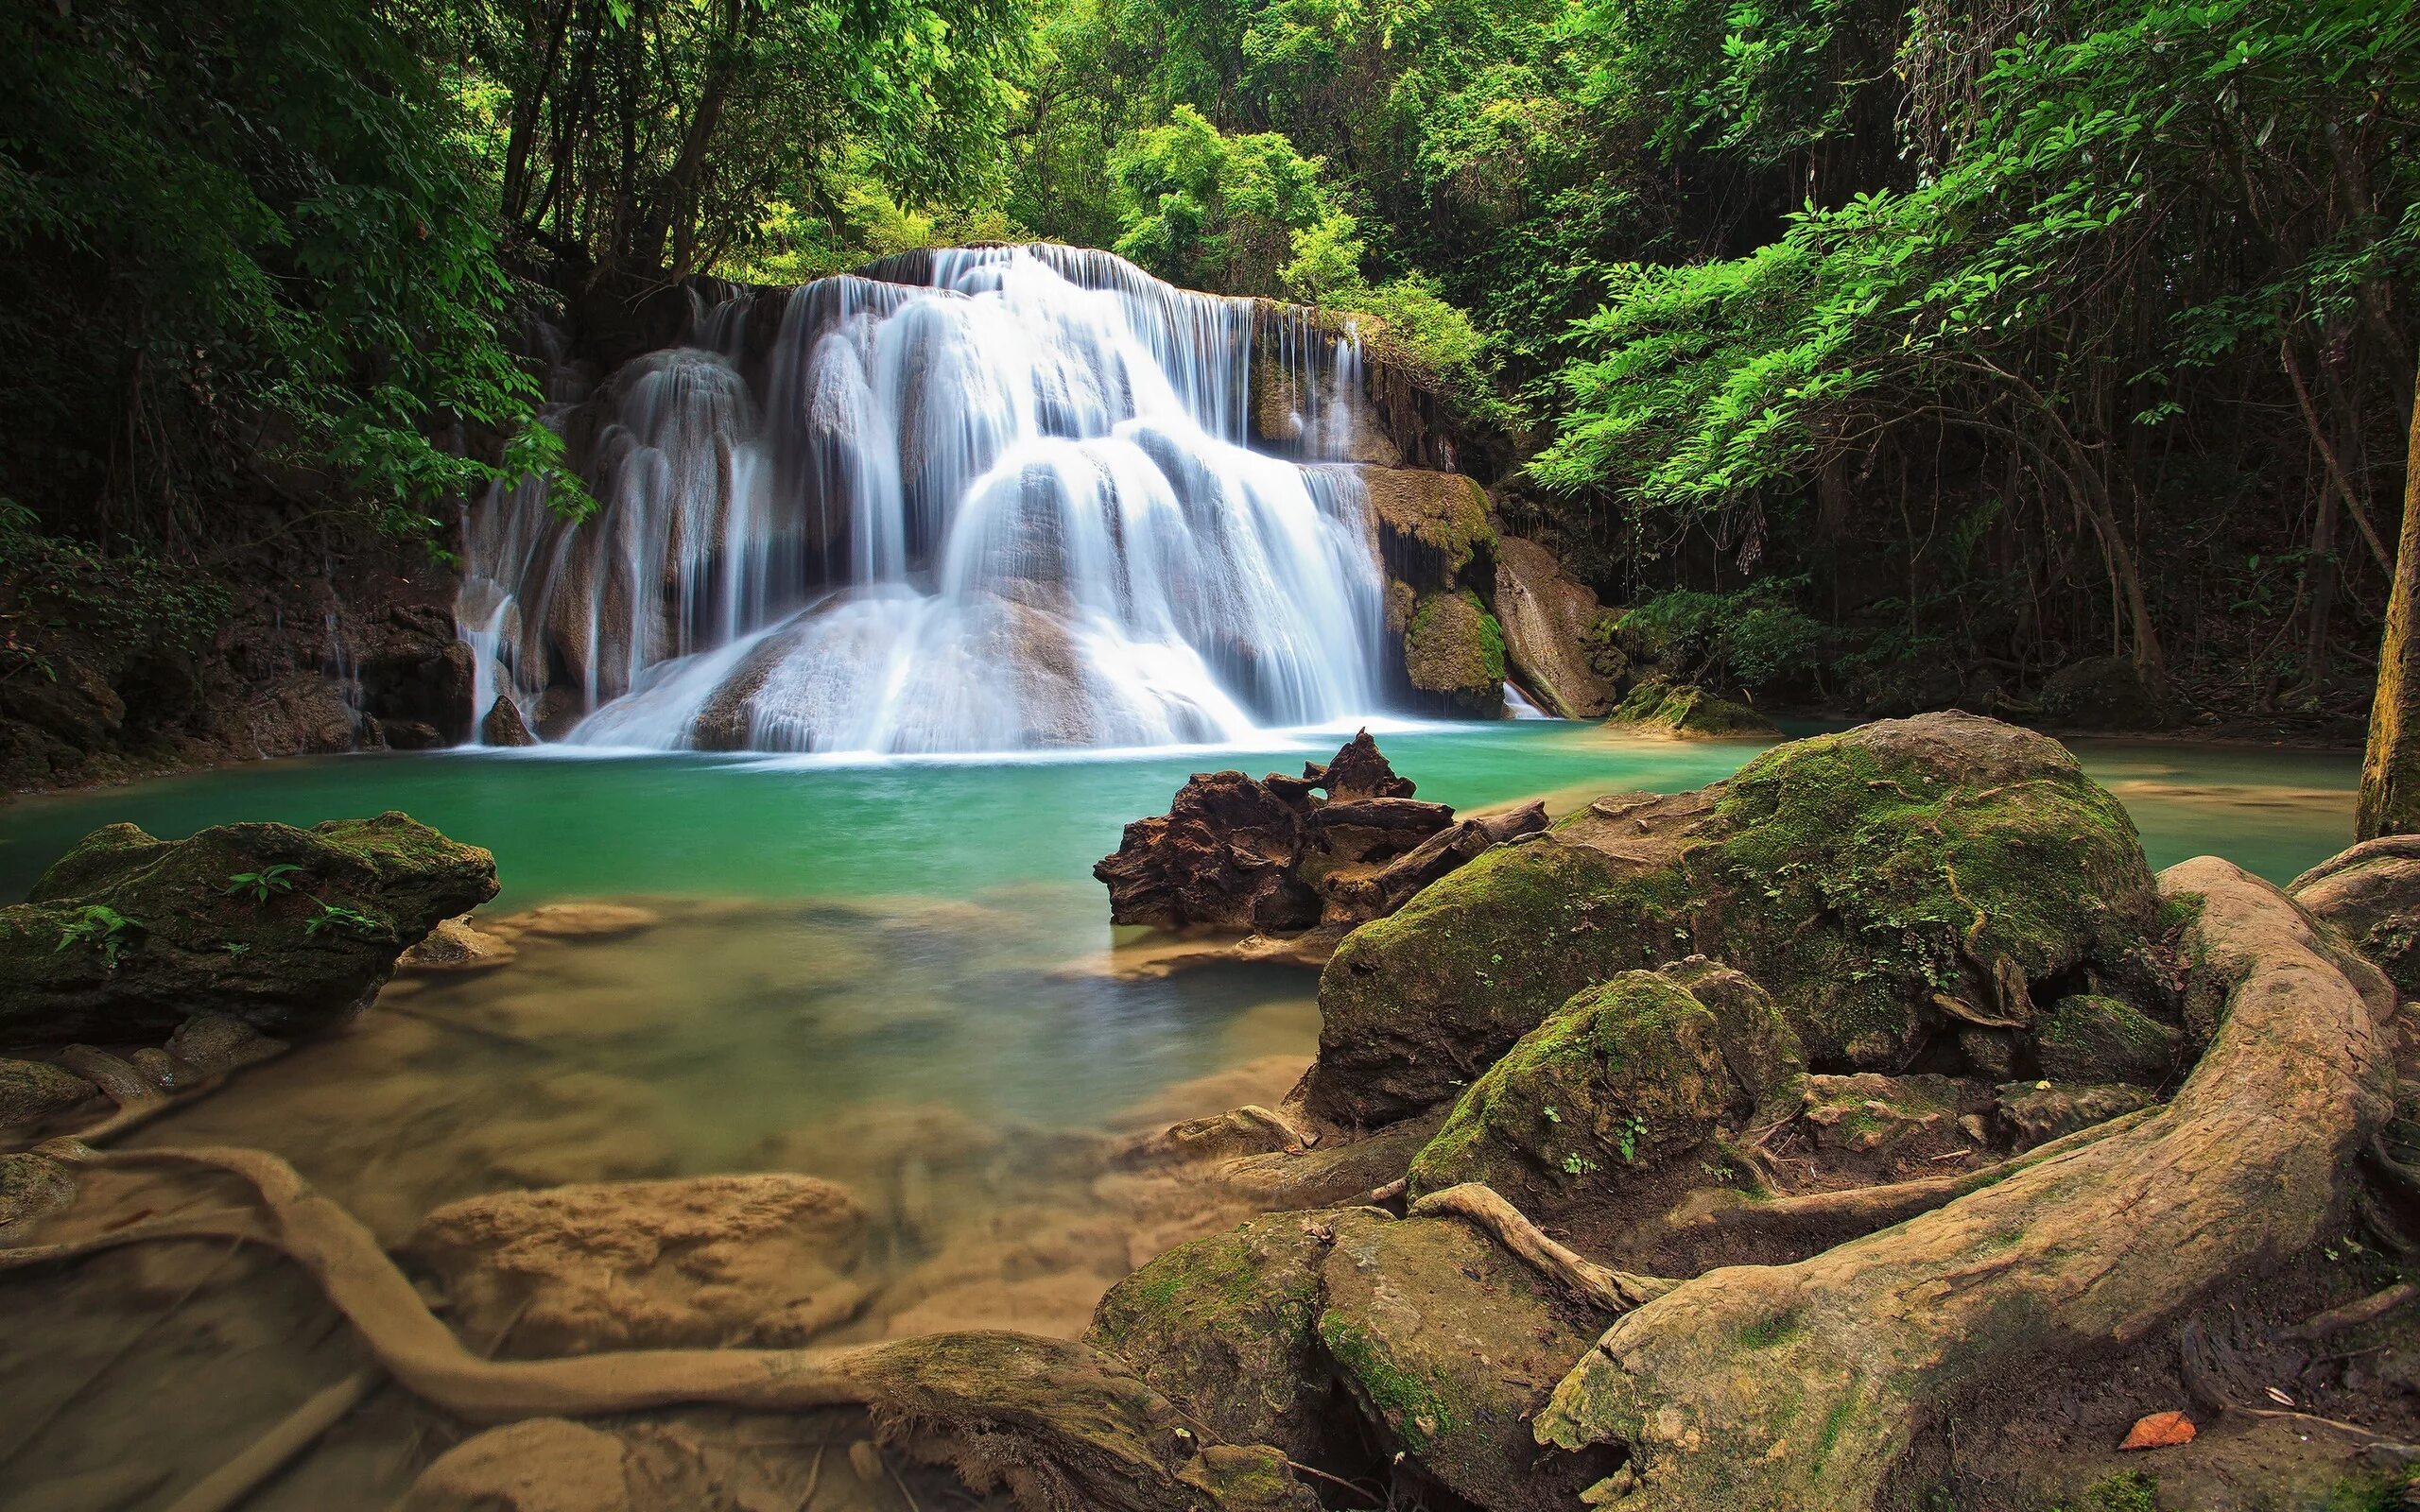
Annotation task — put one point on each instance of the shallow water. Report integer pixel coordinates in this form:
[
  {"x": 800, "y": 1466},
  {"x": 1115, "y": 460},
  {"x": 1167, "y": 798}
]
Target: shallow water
[{"x": 897, "y": 976}]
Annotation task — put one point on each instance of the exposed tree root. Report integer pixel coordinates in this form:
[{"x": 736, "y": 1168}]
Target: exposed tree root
[
  {"x": 1609, "y": 1290},
  {"x": 2354, "y": 1314},
  {"x": 1846, "y": 1215},
  {"x": 232, "y": 1483},
  {"x": 1058, "y": 1425},
  {"x": 1782, "y": 1387},
  {"x": 139, "y": 1100}
]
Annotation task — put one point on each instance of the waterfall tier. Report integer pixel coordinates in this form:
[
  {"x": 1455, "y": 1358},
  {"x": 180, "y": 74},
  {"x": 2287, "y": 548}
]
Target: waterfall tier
[{"x": 973, "y": 500}]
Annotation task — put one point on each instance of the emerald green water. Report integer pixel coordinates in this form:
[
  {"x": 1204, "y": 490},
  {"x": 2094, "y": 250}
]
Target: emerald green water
[
  {"x": 897, "y": 977},
  {"x": 719, "y": 826}
]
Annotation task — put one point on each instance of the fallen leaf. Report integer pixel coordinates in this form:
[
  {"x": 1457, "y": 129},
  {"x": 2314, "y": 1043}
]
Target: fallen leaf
[
  {"x": 2159, "y": 1430},
  {"x": 2278, "y": 1397}
]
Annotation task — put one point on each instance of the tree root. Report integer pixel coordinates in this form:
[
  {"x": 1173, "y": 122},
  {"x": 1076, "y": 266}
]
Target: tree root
[
  {"x": 1060, "y": 1425},
  {"x": 232, "y": 1483},
  {"x": 1772, "y": 1387},
  {"x": 139, "y": 1102},
  {"x": 1846, "y": 1215},
  {"x": 2354, "y": 1314},
  {"x": 1607, "y": 1290}
]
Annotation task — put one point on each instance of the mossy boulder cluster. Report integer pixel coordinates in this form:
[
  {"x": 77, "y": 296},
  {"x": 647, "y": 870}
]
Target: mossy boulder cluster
[
  {"x": 1689, "y": 712},
  {"x": 127, "y": 936},
  {"x": 1891, "y": 887}
]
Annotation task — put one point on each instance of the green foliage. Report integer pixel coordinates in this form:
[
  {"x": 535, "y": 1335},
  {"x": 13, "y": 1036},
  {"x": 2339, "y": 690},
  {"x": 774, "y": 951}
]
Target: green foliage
[
  {"x": 262, "y": 884},
  {"x": 337, "y": 916},
  {"x": 56, "y": 591},
  {"x": 1750, "y": 638},
  {"x": 103, "y": 927},
  {"x": 241, "y": 232}
]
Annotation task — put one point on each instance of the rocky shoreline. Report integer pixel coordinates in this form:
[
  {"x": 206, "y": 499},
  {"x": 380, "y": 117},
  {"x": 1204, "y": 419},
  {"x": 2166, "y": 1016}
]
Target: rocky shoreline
[{"x": 1725, "y": 1148}]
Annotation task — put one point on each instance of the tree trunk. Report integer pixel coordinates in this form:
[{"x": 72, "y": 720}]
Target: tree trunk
[{"x": 2391, "y": 768}]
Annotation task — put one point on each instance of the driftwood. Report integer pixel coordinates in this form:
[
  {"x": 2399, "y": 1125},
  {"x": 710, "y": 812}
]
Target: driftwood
[{"x": 1764, "y": 1388}]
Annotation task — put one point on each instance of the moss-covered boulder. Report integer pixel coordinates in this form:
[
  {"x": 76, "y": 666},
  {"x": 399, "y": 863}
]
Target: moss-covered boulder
[
  {"x": 1687, "y": 711},
  {"x": 285, "y": 929},
  {"x": 31, "y": 1091},
  {"x": 1887, "y": 886},
  {"x": 1627, "y": 1077},
  {"x": 1431, "y": 525},
  {"x": 1448, "y": 1346},
  {"x": 2372, "y": 894},
  {"x": 1227, "y": 1328},
  {"x": 1453, "y": 653},
  {"x": 2091, "y": 1038}
]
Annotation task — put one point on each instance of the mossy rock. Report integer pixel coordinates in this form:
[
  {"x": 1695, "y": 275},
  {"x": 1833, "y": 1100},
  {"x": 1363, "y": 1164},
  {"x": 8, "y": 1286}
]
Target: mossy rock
[
  {"x": 1689, "y": 712},
  {"x": 31, "y": 1091},
  {"x": 126, "y": 936},
  {"x": 1449, "y": 1345},
  {"x": 1431, "y": 525},
  {"x": 1453, "y": 652},
  {"x": 1227, "y": 1328},
  {"x": 2089, "y": 1038},
  {"x": 1884, "y": 884},
  {"x": 1626, "y": 1079}
]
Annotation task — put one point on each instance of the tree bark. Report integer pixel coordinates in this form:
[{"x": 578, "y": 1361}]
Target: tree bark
[{"x": 2390, "y": 767}]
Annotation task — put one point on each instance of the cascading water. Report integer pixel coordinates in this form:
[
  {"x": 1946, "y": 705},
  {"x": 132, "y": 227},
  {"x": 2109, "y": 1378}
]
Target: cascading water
[{"x": 983, "y": 499}]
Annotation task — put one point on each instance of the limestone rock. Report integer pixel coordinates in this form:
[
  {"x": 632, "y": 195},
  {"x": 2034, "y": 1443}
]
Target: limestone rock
[
  {"x": 2030, "y": 1113},
  {"x": 503, "y": 725},
  {"x": 459, "y": 947},
  {"x": 1689, "y": 712},
  {"x": 1548, "y": 619},
  {"x": 2372, "y": 893},
  {"x": 31, "y": 1091},
  {"x": 1275, "y": 858},
  {"x": 1886, "y": 884},
  {"x": 1625, "y": 1078},
  {"x": 1453, "y": 653},
  {"x": 2089, "y": 1038},
  {"x": 541, "y": 1464},
  {"x": 580, "y": 920},
  {"x": 1431, "y": 525},
  {"x": 1447, "y": 1345},
  {"x": 698, "y": 1261},
  {"x": 126, "y": 935},
  {"x": 1227, "y": 1328},
  {"x": 211, "y": 1044},
  {"x": 1866, "y": 1111}
]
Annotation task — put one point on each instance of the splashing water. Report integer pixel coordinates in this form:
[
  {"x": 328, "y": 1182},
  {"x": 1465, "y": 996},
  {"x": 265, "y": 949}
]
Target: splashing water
[{"x": 980, "y": 499}]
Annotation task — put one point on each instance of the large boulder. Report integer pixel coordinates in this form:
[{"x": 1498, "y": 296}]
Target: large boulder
[
  {"x": 1889, "y": 885},
  {"x": 1549, "y": 619},
  {"x": 2372, "y": 894},
  {"x": 286, "y": 929},
  {"x": 1227, "y": 1327},
  {"x": 1626, "y": 1079},
  {"x": 2100, "y": 692},
  {"x": 1453, "y": 653},
  {"x": 2093, "y": 1038}
]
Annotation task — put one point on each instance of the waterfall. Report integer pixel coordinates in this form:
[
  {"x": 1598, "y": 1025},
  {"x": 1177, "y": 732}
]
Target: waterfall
[{"x": 968, "y": 500}]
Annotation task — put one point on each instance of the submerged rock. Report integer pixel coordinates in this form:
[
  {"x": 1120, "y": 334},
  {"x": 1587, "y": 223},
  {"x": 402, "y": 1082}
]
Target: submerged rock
[
  {"x": 2372, "y": 893},
  {"x": 694, "y": 1262},
  {"x": 31, "y": 1091},
  {"x": 459, "y": 947},
  {"x": 1549, "y": 618},
  {"x": 1453, "y": 652},
  {"x": 1885, "y": 885},
  {"x": 543, "y": 1465},
  {"x": 32, "y": 1187},
  {"x": 1690, "y": 711},
  {"x": 573, "y": 921},
  {"x": 283, "y": 928}
]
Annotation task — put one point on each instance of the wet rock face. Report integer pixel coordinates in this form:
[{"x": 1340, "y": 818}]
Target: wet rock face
[
  {"x": 696, "y": 1263},
  {"x": 1890, "y": 886},
  {"x": 282, "y": 928},
  {"x": 2372, "y": 894},
  {"x": 1273, "y": 856},
  {"x": 1453, "y": 653},
  {"x": 1549, "y": 618}
]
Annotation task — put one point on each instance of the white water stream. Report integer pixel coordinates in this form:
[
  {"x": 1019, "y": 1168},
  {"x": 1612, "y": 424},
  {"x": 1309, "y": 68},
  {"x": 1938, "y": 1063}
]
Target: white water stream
[{"x": 983, "y": 499}]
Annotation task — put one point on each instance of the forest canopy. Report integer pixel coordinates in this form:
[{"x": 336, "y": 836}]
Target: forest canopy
[{"x": 1891, "y": 338}]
